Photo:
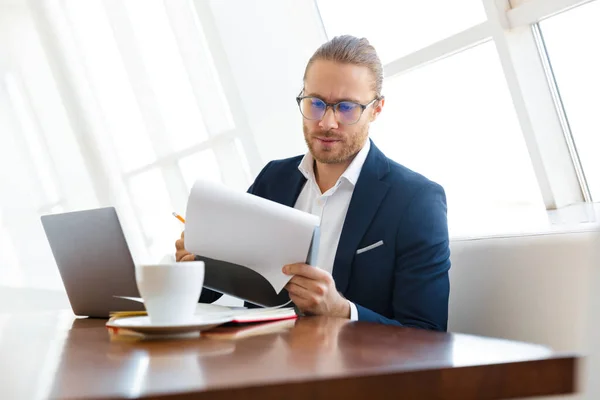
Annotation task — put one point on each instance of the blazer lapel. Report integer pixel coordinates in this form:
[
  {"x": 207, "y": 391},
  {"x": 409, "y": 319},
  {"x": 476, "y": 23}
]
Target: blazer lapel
[
  {"x": 368, "y": 194},
  {"x": 288, "y": 191}
]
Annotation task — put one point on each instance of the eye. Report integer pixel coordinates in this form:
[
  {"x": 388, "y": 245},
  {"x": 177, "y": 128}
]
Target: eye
[
  {"x": 347, "y": 106},
  {"x": 317, "y": 104}
]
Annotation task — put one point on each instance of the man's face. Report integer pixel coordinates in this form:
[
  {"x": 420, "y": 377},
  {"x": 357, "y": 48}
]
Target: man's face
[{"x": 328, "y": 141}]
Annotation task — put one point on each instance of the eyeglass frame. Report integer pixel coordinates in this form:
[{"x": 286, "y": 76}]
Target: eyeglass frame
[{"x": 363, "y": 107}]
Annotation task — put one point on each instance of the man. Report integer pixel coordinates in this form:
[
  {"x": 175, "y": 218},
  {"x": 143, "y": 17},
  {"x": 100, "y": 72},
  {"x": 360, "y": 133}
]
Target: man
[{"x": 383, "y": 253}]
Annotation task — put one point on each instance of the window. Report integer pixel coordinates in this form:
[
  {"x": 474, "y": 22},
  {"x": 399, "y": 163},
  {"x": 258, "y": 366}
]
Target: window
[
  {"x": 153, "y": 205},
  {"x": 397, "y": 28},
  {"x": 36, "y": 148},
  {"x": 10, "y": 274},
  {"x": 108, "y": 79},
  {"x": 166, "y": 72},
  {"x": 146, "y": 73},
  {"x": 201, "y": 165},
  {"x": 454, "y": 122},
  {"x": 571, "y": 40},
  {"x": 121, "y": 105}
]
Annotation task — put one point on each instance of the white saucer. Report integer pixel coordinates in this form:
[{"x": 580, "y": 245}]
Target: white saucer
[{"x": 142, "y": 324}]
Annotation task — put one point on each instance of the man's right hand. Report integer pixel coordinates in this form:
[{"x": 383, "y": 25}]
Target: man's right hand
[{"x": 181, "y": 254}]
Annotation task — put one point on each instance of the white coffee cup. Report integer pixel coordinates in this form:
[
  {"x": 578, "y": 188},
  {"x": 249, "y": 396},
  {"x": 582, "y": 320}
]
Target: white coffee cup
[{"x": 170, "y": 290}]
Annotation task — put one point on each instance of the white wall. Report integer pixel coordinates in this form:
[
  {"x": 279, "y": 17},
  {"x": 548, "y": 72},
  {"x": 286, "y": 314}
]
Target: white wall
[{"x": 268, "y": 44}]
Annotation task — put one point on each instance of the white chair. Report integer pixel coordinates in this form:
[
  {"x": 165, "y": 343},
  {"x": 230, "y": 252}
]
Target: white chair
[
  {"x": 590, "y": 383},
  {"x": 531, "y": 288}
]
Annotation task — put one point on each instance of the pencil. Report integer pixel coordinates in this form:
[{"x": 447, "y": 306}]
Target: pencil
[{"x": 179, "y": 217}]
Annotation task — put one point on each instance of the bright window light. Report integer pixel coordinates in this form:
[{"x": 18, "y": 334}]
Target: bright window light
[
  {"x": 202, "y": 165},
  {"x": 29, "y": 128},
  {"x": 10, "y": 273},
  {"x": 110, "y": 83},
  {"x": 153, "y": 209},
  {"x": 397, "y": 28},
  {"x": 167, "y": 74},
  {"x": 572, "y": 42},
  {"x": 454, "y": 122}
]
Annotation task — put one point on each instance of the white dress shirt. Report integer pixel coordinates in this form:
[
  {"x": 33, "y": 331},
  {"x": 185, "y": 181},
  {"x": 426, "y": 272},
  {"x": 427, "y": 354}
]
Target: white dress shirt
[{"x": 331, "y": 207}]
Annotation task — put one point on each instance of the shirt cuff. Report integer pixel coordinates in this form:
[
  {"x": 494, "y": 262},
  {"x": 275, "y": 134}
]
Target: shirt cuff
[{"x": 353, "y": 311}]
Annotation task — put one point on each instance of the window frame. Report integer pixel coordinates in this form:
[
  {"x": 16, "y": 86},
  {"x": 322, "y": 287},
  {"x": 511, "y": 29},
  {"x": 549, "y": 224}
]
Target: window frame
[{"x": 512, "y": 26}]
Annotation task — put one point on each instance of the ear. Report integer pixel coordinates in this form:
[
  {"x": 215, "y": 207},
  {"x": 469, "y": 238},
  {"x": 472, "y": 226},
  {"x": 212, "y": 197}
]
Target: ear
[{"x": 377, "y": 108}]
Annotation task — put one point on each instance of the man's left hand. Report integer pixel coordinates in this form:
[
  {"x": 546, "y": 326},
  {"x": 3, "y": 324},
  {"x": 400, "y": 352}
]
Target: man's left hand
[{"x": 313, "y": 291}]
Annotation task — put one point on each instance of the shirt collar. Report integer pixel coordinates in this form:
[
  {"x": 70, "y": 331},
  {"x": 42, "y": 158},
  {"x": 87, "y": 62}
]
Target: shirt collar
[
  {"x": 351, "y": 174},
  {"x": 353, "y": 171}
]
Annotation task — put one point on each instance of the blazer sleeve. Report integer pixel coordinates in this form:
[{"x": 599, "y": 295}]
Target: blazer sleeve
[
  {"x": 208, "y": 295},
  {"x": 421, "y": 286}
]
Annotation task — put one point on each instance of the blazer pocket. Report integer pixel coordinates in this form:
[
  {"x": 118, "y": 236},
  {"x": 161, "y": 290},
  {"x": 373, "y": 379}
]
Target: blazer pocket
[{"x": 371, "y": 247}]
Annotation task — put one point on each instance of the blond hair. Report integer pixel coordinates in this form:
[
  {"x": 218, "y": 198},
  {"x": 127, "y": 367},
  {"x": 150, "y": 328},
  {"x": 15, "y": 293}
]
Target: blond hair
[{"x": 347, "y": 49}]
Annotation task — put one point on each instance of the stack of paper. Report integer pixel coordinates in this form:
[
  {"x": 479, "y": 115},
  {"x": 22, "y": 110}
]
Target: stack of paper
[
  {"x": 262, "y": 315},
  {"x": 247, "y": 231}
]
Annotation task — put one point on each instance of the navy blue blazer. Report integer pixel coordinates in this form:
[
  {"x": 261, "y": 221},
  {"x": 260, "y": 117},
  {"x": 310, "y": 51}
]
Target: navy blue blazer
[{"x": 403, "y": 282}]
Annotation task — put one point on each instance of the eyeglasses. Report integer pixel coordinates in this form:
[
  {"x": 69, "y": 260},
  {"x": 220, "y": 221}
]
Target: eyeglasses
[{"x": 346, "y": 112}]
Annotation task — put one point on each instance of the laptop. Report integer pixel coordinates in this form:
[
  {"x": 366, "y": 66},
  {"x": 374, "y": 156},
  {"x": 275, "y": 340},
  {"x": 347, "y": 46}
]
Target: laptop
[{"x": 94, "y": 261}]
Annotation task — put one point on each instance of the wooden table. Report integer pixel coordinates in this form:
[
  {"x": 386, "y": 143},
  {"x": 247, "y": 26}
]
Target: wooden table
[{"x": 54, "y": 355}]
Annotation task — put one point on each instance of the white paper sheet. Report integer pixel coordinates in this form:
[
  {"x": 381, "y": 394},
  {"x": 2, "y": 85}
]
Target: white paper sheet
[{"x": 237, "y": 227}]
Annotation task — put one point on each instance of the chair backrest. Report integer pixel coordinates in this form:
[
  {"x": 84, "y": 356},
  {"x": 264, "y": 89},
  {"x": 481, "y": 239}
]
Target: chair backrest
[
  {"x": 590, "y": 383},
  {"x": 531, "y": 288}
]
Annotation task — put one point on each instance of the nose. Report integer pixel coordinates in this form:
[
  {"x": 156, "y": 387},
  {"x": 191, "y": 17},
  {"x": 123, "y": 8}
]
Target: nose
[{"x": 329, "y": 120}]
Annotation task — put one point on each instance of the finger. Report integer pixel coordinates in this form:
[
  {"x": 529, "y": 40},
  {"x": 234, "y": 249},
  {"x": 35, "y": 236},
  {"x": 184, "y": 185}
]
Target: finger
[
  {"x": 180, "y": 243},
  {"x": 298, "y": 291},
  {"x": 305, "y": 305},
  {"x": 179, "y": 254},
  {"x": 309, "y": 284},
  {"x": 188, "y": 257},
  {"x": 305, "y": 270}
]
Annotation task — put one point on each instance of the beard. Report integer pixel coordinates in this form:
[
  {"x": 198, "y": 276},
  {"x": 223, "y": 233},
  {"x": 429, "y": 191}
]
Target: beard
[{"x": 343, "y": 151}]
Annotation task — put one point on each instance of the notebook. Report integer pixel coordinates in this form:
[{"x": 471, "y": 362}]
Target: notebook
[{"x": 239, "y": 315}]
